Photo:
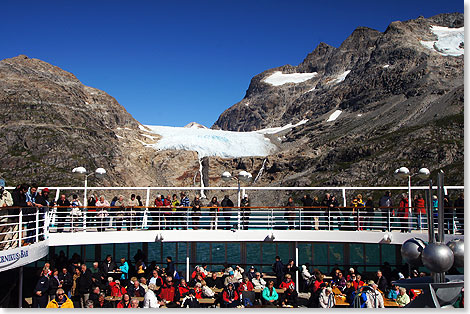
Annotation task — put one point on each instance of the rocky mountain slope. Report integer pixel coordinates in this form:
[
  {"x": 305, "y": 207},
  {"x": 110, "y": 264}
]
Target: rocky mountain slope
[
  {"x": 52, "y": 123},
  {"x": 399, "y": 102}
]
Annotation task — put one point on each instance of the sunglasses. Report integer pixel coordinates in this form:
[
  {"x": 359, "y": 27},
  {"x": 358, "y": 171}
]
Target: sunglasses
[{"x": 59, "y": 294}]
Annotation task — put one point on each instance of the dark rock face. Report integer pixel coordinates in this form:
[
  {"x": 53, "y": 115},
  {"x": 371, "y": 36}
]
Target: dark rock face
[{"x": 401, "y": 103}]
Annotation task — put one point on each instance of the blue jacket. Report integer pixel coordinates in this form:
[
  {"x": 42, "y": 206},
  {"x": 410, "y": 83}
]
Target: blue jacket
[{"x": 125, "y": 270}]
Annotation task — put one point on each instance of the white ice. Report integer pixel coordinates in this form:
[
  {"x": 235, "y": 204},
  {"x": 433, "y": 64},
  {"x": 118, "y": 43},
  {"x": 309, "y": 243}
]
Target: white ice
[
  {"x": 448, "y": 41},
  {"x": 334, "y": 116},
  {"x": 386, "y": 66},
  {"x": 208, "y": 142},
  {"x": 278, "y": 78},
  {"x": 282, "y": 128},
  {"x": 340, "y": 77}
]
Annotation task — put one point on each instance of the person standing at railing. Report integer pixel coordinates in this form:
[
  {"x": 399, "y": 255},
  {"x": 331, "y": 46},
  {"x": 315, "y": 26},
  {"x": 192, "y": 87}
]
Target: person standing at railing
[
  {"x": 19, "y": 200},
  {"x": 403, "y": 213},
  {"x": 167, "y": 212},
  {"x": 246, "y": 211},
  {"x": 459, "y": 213},
  {"x": 227, "y": 207},
  {"x": 183, "y": 211},
  {"x": 75, "y": 213},
  {"x": 42, "y": 202},
  {"x": 5, "y": 201},
  {"x": 289, "y": 213},
  {"x": 385, "y": 203},
  {"x": 448, "y": 215},
  {"x": 196, "y": 211},
  {"x": 175, "y": 219},
  {"x": 29, "y": 214},
  {"x": 307, "y": 202},
  {"x": 326, "y": 202},
  {"x": 134, "y": 212},
  {"x": 420, "y": 211},
  {"x": 120, "y": 212},
  {"x": 156, "y": 212},
  {"x": 335, "y": 211},
  {"x": 213, "y": 212},
  {"x": 102, "y": 213},
  {"x": 62, "y": 204},
  {"x": 370, "y": 210}
]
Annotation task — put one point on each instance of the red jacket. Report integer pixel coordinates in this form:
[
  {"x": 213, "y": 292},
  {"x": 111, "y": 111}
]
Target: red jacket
[
  {"x": 198, "y": 293},
  {"x": 226, "y": 298},
  {"x": 115, "y": 291},
  {"x": 356, "y": 284},
  {"x": 167, "y": 292},
  {"x": 285, "y": 285},
  {"x": 316, "y": 285},
  {"x": 246, "y": 286},
  {"x": 182, "y": 290},
  {"x": 120, "y": 305},
  {"x": 194, "y": 274},
  {"x": 403, "y": 208},
  {"x": 419, "y": 206}
]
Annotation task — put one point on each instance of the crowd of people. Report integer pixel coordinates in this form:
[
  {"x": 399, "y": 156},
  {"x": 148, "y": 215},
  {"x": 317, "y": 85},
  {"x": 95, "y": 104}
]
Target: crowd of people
[
  {"x": 71, "y": 283},
  {"x": 179, "y": 212}
]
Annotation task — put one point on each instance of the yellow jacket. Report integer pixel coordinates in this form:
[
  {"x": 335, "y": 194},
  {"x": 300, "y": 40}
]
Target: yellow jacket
[{"x": 68, "y": 304}]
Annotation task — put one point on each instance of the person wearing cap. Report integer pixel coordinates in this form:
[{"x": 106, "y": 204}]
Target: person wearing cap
[
  {"x": 251, "y": 272},
  {"x": 190, "y": 301},
  {"x": 230, "y": 279},
  {"x": 226, "y": 205}
]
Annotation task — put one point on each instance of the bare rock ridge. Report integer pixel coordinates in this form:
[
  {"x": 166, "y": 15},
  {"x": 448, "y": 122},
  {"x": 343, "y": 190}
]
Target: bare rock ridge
[{"x": 399, "y": 103}]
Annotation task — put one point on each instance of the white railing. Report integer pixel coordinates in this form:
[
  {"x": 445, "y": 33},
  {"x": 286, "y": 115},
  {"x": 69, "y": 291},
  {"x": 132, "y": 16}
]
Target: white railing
[
  {"x": 23, "y": 226},
  {"x": 253, "y": 218}
]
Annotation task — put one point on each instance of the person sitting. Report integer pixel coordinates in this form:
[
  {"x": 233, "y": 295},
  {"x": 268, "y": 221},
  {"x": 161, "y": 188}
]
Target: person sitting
[
  {"x": 269, "y": 295},
  {"x": 168, "y": 292},
  {"x": 258, "y": 282},
  {"x": 394, "y": 292},
  {"x": 89, "y": 304},
  {"x": 134, "y": 303},
  {"x": 230, "y": 279},
  {"x": 318, "y": 281},
  {"x": 95, "y": 293},
  {"x": 403, "y": 299},
  {"x": 340, "y": 282},
  {"x": 246, "y": 285},
  {"x": 102, "y": 303},
  {"x": 327, "y": 298},
  {"x": 190, "y": 301},
  {"x": 143, "y": 284},
  {"x": 125, "y": 302},
  {"x": 196, "y": 280},
  {"x": 183, "y": 288},
  {"x": 60, "y": 301},
  {"x": 150, "y": 299},
  {"x": 198, "y": 270},
  {"x": 358, "y": 283},
  {"x": 155, "y": 279},
  {"x": 251, "y": 273},
  {"x": 198, "y": 290},
  {"x": 374, "y": 297},
  {"x": 306, "y": 277},
  {"x": 348, "y": 292},
  {"x": 206, "y": 291},
  {"x": 290, "y": 297},
  {"x": 214, "y": 281},
  {"x": 230, "y": 296},
  {"x": 287, "y": 282},
  {"x": 136, "y": 290},
  {"x": 116, "y": 289}
]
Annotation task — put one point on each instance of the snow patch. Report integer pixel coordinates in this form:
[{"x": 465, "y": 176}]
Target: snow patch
[
  {"x": 153, "y": 138},
  {"x": 386, "y": 66},
  {"x": 278, "y": 78},
  {"x": 208, "y": 142},
  {"x": 448, "y": 41},
  {"x": 359, "y": 115},
  {"x": 282, "y": 128},
  {"x": 334, "y": 116},
  {"x": 119, "y": 136},
  {"x": 340, "y": 77}
]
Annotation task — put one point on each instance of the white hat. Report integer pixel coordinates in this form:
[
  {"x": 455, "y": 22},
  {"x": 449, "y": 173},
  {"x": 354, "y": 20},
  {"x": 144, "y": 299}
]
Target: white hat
[{"x": 400, "y": 275}]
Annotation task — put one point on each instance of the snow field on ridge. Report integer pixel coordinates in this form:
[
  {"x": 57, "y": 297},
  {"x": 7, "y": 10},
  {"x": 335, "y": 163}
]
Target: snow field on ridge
[
  {"x": 448, "y": 41},
  {"x": 278, "y": 78}
]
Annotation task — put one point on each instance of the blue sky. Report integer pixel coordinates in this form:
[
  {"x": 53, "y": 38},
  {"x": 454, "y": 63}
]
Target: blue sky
[{"x": 173, "y": 62}]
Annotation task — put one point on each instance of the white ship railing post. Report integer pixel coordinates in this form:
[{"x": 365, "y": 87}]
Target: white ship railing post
[
  {"x": 145, "y": 219},
  {"x": 344, "y": 197},
  {"x": 297, "y": 262},
  {"x": 20, "y": 227},
  {"x": 37, "y": 224},
  {"x": 84, "y": 219},
  {"x": 187, "y": 260}
]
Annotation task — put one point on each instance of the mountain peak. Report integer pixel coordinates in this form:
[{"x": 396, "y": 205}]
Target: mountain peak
[{"x": 194, "y": 125}]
